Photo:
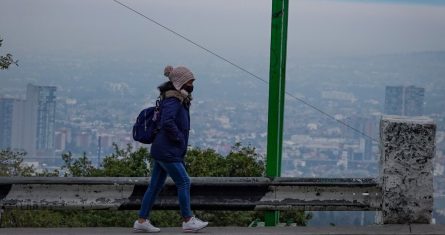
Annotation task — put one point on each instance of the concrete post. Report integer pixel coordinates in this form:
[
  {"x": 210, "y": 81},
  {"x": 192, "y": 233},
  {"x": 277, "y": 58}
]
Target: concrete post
[{"x": 406, "y": 169}]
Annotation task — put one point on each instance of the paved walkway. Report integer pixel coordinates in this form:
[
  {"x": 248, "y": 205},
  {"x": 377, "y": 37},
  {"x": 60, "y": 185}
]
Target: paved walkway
[{"x": 368, "y": 230}]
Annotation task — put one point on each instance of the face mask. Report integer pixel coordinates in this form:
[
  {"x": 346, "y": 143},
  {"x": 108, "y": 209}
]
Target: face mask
[{"x": 189, "y": 89}]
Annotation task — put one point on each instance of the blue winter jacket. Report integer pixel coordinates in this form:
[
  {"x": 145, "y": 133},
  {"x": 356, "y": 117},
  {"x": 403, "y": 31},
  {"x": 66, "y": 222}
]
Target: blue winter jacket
[{"x": 170, "y": 144}]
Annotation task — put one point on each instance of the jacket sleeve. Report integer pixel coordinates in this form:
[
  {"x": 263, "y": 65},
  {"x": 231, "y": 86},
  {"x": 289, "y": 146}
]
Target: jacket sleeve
[{"x": 170, "y": 107}]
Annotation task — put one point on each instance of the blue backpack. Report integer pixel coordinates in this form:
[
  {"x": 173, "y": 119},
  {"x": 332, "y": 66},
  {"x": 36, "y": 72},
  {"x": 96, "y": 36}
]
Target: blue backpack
[{"x": 147, "y": 124}]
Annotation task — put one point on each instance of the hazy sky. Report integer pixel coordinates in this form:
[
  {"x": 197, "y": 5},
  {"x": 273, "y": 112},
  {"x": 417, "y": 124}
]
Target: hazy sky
[{"x": 230, "y": 27}]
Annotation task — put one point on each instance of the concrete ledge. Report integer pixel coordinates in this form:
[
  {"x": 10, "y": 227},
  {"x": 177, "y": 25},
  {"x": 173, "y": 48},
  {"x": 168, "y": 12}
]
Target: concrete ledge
[
  {"x": 367, "y": 230},
  {"x": 208, "y": 193}
]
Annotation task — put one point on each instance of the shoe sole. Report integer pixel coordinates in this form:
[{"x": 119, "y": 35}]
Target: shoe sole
[
  {"x": 193, "y": 230},
  {"x": 135, "y": 230}
]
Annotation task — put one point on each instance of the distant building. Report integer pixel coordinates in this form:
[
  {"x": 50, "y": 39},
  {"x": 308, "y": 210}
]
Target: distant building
[
  {"x": 29, "y": 124},
  {"x": 60, "y": 140},
  {"x": 414, "y": 98},
  {"x": 40, "y": 120},
  {"x": 394, "y": 100},
  {"x": 106, "y": 141},
  {"x": 364, "y": 129},
  {"x": 404, "y": 101},
  {"x": 368, "y": 150},
  {"x": 83, "y": 140},
  {"x": 67, "y": 133},
  {"x": 12, "y": 123},
  {"x": 6, "y": 106}
]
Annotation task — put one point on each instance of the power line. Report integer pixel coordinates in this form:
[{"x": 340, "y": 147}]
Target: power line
[
  {"x": 242, "y": 69},
  {"x": 190, "y": 41}
]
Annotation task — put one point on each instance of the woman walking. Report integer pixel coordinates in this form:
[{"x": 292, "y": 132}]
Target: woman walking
[{"x": 169, "y": 148}]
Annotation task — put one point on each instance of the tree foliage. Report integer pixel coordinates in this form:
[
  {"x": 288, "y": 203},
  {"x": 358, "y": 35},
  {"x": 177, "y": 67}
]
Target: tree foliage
[
  {"x": 126, "y": 162},
  {"x": 121, "y": 163},
  {"x": 11, "y": 164},
  {"x": 7, "y": 60},
  {"x": 242, "y": 161},
  {"x": 78, "y": 167}
]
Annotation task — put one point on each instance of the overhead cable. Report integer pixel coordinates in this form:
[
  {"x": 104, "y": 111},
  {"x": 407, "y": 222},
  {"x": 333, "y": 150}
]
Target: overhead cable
[{"x": 242, "y": 69}]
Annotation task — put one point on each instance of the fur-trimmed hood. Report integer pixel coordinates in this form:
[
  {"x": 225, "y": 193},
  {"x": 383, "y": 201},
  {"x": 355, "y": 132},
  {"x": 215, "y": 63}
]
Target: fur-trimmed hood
[{"x": 168, "y": 90}]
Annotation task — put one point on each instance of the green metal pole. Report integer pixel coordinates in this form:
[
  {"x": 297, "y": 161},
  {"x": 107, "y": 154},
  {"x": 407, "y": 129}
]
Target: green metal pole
[{"x": 277, "y": 75}]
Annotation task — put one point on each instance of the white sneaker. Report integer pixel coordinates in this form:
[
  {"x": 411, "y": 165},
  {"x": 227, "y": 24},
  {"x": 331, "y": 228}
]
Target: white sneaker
[
  {"x": 193, "y": 225},
  {"x": 145, "y": 227}
]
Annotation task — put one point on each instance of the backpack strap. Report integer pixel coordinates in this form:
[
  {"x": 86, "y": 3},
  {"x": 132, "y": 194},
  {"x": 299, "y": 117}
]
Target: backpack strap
[{"x": 157, "y": 108}]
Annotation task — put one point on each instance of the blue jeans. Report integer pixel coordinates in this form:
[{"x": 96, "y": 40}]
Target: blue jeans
[{"x": 176, "y": 170}]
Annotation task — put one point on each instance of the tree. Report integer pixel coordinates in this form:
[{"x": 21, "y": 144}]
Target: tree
[
  {"x": 126, "y": 162},
  {"x": 242, "y": 161},
  {"x": 205, "y": 162},
  {"x": 78, "y": 167},
  {"x": 11, "y": 164},
  {"x": 7, "y": 60},
  {"x": 121, "y": 163}
]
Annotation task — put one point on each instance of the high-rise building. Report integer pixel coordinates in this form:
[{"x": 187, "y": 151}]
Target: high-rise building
[
  {"x": 413, "y": 105},
  {"x": 29, "y": 124},
  {"x": 6, "y": 106},
  {"x": 367, "y": 154},
  {"x": 394, "y": 100},
  {"x": 12, "y": 123},
  {"x": 40, "y": 109},
  {"x": 404, "y": 101}
]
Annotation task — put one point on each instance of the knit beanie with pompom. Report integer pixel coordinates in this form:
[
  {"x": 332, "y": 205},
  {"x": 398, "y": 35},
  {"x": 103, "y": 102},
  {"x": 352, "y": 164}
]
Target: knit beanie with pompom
[{"x": 178, "y": 76}]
